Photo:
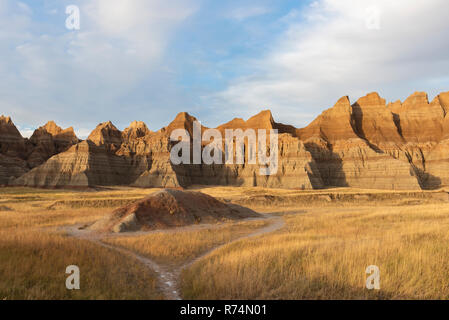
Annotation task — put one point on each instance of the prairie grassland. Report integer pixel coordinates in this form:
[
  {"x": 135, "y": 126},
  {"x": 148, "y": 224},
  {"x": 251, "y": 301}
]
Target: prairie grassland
[
  {"x": 34, "y": 257},
  {"x": 267, "y": 200},
  {"x": 323, "y": 254},
  {"x": 33, "y": 264},
  {"x": 330, "y": 237},
  {"x": 180, "y": 247},
  {"x": 27, "y": 207}
]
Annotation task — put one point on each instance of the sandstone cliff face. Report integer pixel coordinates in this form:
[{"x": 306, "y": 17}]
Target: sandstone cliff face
[
  {"x": 375, "y": 123},
  {"x": 141, "y": 158},
  {"x": 263, "y": 120},
  {"x": 368, "y": 144},
  {"x": 332, "y": 125},
  {"x": 12, "y": 143},
  {"x": 339, "y": 142},
  {"x": 418, "y": 120},
  {"x": 107, "y": 135},
  {"x": 48, "y": 141},
  {"x": 84, "y": 164},
  {"x": 157, "y": 169},
  {"x": 296, "y": 168},
  {"x": 11, "y": 168},
  {"x": 136, "y": 130},
  {"x": 421, "y": 124},
  {"x": 12, "y": 151},
  {"x": 107, "y": 158}
]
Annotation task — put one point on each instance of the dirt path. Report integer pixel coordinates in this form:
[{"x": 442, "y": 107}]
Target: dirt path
[{"x": 168, "y": 276}]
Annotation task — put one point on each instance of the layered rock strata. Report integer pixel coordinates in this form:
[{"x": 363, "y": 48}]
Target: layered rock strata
[{"x": 367, "y": 144}]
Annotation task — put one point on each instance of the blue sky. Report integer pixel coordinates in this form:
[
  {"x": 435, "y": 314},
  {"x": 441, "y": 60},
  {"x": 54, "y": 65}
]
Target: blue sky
[{"x": 150, "y": 59}]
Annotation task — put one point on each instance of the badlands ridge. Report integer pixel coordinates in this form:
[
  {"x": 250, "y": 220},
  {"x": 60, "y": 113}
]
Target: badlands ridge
[{"x": 367, "y": 144}]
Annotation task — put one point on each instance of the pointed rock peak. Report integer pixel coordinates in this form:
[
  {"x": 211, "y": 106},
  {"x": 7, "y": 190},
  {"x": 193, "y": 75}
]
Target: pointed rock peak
[
  {"x": 105, "y": 126},
  {"x": 108, "y": 125},
  {"x": 342, "y": 105},
  {"x": 374, "y": 95},
  {"x": 263, "y": 116},
  {"x": 137, "y": 125},
  {"x": 182, "y": 121},
  {"x": 343, "y": 102},
  {"x": 52, "y": 128},
  {"x": 67, "y": 135},
  {"x": 418, "y": 99},
  {"x": 7, "y": 128},
  {"x": 332, "y": 125},
  {"x": 6, "y": 120},
  {"x": 262, "y": 120},
  {"x": 136, "y": 129},
  {"x": 52, "y": 132},
  {"x": 236, "y": 123},
  {"x": 184, "y": 116},
  {"x": 69, "y": 129},
  {"x": 233, "y": 121},
  {"x": 106, "y": 134},
  {"x": 371, "y": 99}
]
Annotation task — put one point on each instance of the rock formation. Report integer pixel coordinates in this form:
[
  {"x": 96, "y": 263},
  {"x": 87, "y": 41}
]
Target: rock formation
[
  {"x": 171, "y": 208},
  {"x": 339, "y": 142},
  {"x": 12, "y": 151},
  {"x": 106, "y": 135},
  {"x": 136, "y": 129},
  {"x": 84, "y": 164},
  {"x": 12, "y": 143},
  {"x": 369, "y": 144},
  {"x": 47, "y": 141}
]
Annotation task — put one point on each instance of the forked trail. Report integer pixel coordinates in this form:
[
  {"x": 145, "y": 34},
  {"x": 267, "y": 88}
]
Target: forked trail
[{"x": 168, "y": 276}]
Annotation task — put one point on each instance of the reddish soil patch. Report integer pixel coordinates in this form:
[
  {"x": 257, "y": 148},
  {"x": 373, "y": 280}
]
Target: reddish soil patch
[{"x": 171, "y": 208}]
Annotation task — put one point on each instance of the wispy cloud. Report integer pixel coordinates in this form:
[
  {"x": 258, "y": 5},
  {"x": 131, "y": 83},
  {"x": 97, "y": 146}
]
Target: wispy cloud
[
  {"x": 149, "y": 59},
  {"x": 329, "y": 50},
  {"x": 91, "y": 75}
]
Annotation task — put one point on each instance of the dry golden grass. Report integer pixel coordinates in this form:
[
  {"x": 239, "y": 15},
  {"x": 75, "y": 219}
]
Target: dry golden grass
[
  {"x": 322, "y": 252},
  {"x": 323, "y": 255},
  {"x": 179, "y": 247},
  {"x": 33, "y": 257},
  {"x": 261, "y": 199},
  {"x": 33, "y": 264},
  {"x": 27, "y": 207}
]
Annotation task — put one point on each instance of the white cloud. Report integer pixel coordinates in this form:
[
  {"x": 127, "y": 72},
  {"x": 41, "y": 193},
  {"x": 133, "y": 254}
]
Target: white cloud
[
  {"x": 329, "y": 52},
  {"x": 88, "y": 75},
  {"x": 142, "y": 25}
]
